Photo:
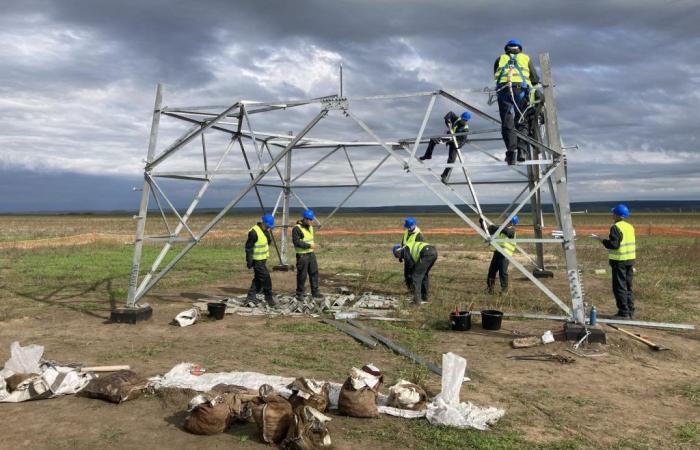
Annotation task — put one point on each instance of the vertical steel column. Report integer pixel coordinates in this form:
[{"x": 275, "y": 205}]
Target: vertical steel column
[
  {"x": 285, "y": 206},
  {"x": 143, "y": 207},
  {"x": 534, "y": 174},
  {"x": 562, "y": 200}
]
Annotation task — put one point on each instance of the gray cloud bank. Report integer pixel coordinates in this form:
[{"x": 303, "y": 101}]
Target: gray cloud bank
[{"x": 77, "y": 80}]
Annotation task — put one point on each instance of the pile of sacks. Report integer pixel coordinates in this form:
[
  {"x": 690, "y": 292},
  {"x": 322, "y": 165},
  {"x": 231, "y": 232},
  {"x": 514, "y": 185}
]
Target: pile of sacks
[{"x": 295, "y": 423}]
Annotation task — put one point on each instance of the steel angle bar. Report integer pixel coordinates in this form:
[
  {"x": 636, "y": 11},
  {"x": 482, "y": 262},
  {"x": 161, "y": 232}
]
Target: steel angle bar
[
  {"x": 432, "y": 188},
  {"x": 162, "y": 213},
  {"x": 636, "y": 323},
  {"x": 189, "y": 137},
  {"x": 479, "y": 182},
  {"x": 324, "y": 186},
  {"x": 178, "y": 177},
  {"x": 530, "y": 240},
  {"x": 205, "y": 173},
  {"x": 193, "y": 205},
  {"x": 352, "y": 332},
  {"x": 143, "y": 204},
  {"x": 277, "y": 203},
  {"x": 231, "y": 204},
  {"x": 428, "y": 111},
  {"x": 486, "y": 116},
  {"x": 527, "y": 197},
  {"x": 352, "y": 168},
  {"x": 172, "y": 207},
  {"x": 323, "y": 158},
  {"x": 204, "y": 154},
  {"x": 351, "y": 193},
  {"x": 167, "y": 238},
  {"x": 496, "y": 158},
  {"x": 252, "y": 132},
  {"x": 190, "y": 120},
  {"x": 278, "y": 186}
]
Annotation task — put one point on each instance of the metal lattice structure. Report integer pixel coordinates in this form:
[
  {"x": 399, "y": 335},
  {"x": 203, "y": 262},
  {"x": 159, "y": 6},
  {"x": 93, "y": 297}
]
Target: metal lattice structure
[{"x": 266, "y": 152}]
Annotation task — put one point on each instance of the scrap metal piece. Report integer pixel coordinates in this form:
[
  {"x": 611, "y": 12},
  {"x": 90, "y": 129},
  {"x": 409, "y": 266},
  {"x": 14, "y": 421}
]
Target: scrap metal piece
[
  {"x": 350, "y": 331},
  {"x": 397, "y": 348},
  {"x": 543, "y": 357}
]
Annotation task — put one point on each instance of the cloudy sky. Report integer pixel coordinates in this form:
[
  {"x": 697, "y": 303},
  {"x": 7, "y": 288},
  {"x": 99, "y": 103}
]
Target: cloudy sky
[{"x": 78, "y": 77}]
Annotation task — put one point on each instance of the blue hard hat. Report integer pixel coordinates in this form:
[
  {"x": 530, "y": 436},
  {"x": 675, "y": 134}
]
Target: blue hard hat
[
  {"x": 515, "y": 220},
  {"x": 514, "y": 43},
  {"x": 394, "y": 249},
  {"x": 466, "y": 115},
  {"x": 309, "y": 214},
  {"x": 621, "y": 210},
  {"x": 269, "y": 220},
  {"x": 409, "y": 223}
]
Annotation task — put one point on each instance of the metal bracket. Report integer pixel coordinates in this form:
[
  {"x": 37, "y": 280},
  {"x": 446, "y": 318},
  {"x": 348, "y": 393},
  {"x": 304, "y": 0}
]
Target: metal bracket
[{"x": 335, "y": 102}]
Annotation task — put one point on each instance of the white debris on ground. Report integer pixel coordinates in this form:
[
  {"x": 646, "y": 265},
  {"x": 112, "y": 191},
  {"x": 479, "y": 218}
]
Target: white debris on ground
[
  {"x": 290, "y": 305},
  {"x": 26, "y": 376}
]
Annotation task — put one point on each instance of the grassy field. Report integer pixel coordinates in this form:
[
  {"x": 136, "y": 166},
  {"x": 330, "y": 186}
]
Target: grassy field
[{"x": 58, "y": 296}]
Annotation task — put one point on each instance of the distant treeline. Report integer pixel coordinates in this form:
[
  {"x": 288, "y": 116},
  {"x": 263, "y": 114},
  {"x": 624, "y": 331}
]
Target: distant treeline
[{"x": 650, "y": 206}]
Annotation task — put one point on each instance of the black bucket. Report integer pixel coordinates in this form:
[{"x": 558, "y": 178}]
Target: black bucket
[
  {"x": 216, "y": 310},
  {"x": 491, "y": 319},
  {"x": 461, "y": 321}
]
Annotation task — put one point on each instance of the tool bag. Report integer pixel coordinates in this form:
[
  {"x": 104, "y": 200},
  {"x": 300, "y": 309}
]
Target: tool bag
[
  {"x": 406, "y": 395},
  {"x": 358, "y": 395},
  {"x": 308, "y": 431},
  {"x": 273, "y": 415},
  {"x": 116, "y": 387},
  {"x": 208, "y": 416},
  {"x": 309, "y": 393}
]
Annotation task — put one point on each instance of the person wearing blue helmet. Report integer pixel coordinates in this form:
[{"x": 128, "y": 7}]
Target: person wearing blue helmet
[
  {"x": 515, "y": 75},
  {"x": 411, "y": 234},
  {"x": 499, "y": 263},
  {"x": 457, "y": 129},
  {"x": 622, "y": 253},
  {"x": 420, "y": 258},
  {"x": 257, "y": 251},
  {"x": 304, "y": 246}
]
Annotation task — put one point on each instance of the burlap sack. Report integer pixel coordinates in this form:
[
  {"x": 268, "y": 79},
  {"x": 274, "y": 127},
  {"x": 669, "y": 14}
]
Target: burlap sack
[
  {"x": 357, "y": 402},
  {"x": 273, "y": 415},
  {"x": 116, "y": 387},
  {"x": 308, "y": 431},
  {"x": 407, "y": 395},
  {"x": 309, "y": 393},
  {"x": 210, "y": 417}
]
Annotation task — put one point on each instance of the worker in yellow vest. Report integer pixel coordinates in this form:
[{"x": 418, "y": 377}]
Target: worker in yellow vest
[
  {"x": 622, "y": 250},
  {"x": 515, "y": 76},
  {"x": 411, "y": 234},
  {"x": 458, "y": 126},
  {"x": 304, "y": 246},
  {"x": 420, "y": 257},
  {"x": 499, "y": 263},
  {"x": 257, "y": 251}
]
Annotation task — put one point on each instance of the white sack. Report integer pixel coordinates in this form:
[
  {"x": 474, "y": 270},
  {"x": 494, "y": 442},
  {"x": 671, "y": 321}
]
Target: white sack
[{"x": 24, "y": 359}]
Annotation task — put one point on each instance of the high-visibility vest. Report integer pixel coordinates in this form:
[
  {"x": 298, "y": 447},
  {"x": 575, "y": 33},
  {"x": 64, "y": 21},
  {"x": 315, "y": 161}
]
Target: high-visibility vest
[
  {"x": 508, "y": 247},
  {"x": 410, "y": 237},
  {"x": 308, "y": 237},
  {"x": 261, "y": 250},
  {"x": 415, "y": 248},
  {"x": 628, "y": 247},
  {"x": 513, "y": 68}
]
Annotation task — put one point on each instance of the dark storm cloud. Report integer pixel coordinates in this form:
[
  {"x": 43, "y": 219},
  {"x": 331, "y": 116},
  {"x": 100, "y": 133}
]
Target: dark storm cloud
[{"x": 77, "y": 76}]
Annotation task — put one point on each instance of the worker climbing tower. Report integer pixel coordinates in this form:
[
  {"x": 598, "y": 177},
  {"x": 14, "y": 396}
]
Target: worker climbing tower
[{"x": 260, "y": 158}]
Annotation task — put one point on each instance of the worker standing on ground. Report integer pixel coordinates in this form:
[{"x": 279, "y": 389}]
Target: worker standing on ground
[
  {"x": 455, "y": 125},
  {"x": 257, "y": 251},
  {"x": 304, "y": 246},
  {"x": 411, "y": 234},
  {"x": 622, "y": 249},
  {"x": 420, "y": 257},
  {"x": 499, "y": 263},
  {"x": 515, "y": 76}
]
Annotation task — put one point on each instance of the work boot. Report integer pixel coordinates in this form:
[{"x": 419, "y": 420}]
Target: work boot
[
  {"x": 317, "y": 296},
  {"x": 522, "y": 155},
  {"x": 622, "y": 315},
  {"x": 423, "y": 158},
  {"x": 510, "y": 158},
  {"x": 270, "y": 300},
  {"x": 490, "y": 283},
  {"x": 299, "y": 297}
]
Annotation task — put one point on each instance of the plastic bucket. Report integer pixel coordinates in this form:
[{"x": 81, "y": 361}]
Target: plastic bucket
[
  {"x": 491, "y": 319},
  {"x": 461, "y": 321},
  {"x": 216, "y": 310}
]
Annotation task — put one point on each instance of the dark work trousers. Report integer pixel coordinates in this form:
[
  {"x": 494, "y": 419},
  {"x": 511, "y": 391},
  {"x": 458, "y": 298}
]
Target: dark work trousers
[
  {"x": 499, "y": 265},
  {"x": 307, "y": 265},
  {"x": 451, "y": 156},
  {"x": 261, "y": 280},
  {"x": 408, "y": 275},
  {"x": 510, "y": 120},
  {"x": 421, "y": 273},
  {"x": 622, "y": 274}
]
